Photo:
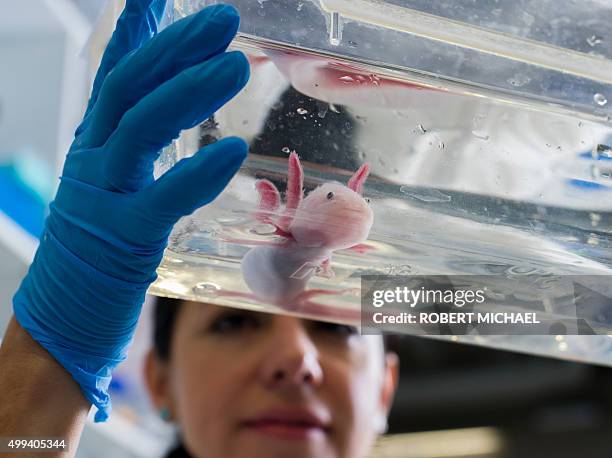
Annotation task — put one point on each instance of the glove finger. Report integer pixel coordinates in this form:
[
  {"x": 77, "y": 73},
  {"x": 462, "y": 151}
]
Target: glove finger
[
  {"x": 194, "y": 181},
  {"x": 137, "y": 23},
  {"x": 180, "y": 103},
  {"x": 183, "y": 44}
]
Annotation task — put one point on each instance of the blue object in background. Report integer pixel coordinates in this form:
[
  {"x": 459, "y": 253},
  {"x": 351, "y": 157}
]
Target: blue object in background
[{"x": 26, "y": 187}]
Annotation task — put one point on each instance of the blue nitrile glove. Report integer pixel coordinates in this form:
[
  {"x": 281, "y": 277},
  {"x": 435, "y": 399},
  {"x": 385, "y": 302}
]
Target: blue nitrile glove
[{"x": 110, "y": 220}]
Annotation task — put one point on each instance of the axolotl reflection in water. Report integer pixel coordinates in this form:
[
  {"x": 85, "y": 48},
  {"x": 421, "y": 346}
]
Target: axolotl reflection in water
[{"x": 331, "y": 217}]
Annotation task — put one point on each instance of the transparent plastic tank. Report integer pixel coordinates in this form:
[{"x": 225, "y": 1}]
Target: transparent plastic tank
[{"x": 486, "y": 126}]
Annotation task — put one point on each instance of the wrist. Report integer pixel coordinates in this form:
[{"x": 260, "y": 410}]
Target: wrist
[
  {"x": 33, "y": 381},
  {"x": 82, "y": 317}
]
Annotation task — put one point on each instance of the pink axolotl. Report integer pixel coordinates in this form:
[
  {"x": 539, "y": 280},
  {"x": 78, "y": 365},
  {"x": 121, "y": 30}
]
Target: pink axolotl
[{"x": 332, "y": 217}]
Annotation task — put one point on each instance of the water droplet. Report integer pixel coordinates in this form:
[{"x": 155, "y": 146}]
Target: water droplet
[
  {"x": 333, "y": 108},
  {"x": 302, "y": 111},
  {"x": 206, "y": 287},
  {"x": 286, "y": 150},
  {"x": 425, "y": 195},
  {"x": 441, "y": 144},
  {"x": 322, "y": 109},
  {"x": 602, "y": 151},
  {"x": 519, "y": 80},
  {"x": 594, "y": 40},
  {"x": 299, "y": 6},
  {"x": 600, "y": 99},
  {"x": 346, "y": 79},
  {"x": 593, "y": 240},
  {"x": 421, "y": 128},
  {"x": 481, "y": 135}
]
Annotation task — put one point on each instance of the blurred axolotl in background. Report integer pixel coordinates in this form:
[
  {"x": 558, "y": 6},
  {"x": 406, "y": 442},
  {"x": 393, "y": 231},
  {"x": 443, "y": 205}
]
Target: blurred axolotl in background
[{"x": 332, "y": 217}]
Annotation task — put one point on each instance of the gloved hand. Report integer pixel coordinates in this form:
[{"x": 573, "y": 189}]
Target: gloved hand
[{"x": 110, "y": 220}]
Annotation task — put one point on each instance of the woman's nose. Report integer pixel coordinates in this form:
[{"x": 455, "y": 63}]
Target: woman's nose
[{"x": 292, "y": 358}]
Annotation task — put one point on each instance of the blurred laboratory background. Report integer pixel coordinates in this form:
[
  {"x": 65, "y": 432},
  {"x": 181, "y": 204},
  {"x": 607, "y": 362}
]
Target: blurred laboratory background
[{"x": 454, "y": 400}]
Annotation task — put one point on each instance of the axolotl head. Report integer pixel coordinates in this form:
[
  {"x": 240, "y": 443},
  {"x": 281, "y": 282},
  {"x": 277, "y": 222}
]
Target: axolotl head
[{"x": 334, "y": 216}]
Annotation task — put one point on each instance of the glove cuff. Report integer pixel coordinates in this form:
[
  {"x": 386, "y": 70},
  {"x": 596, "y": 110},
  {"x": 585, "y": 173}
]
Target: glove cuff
[{"x": 86, "y": 329}]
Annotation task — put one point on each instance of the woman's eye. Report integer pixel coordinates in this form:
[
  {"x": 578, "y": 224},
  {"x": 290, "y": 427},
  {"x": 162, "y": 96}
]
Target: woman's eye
[
  {"x": 330, "y": 195},
  {"x": 237, "y": 321}
]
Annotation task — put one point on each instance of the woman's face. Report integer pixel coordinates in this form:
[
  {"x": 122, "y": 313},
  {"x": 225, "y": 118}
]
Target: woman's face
[{"x": 243, "y": 383}]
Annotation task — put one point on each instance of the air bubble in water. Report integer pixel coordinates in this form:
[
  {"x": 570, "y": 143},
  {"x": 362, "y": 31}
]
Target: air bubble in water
[
  {"x": 593, "y": 240},
  {"x": 600, "y": 99},
  {"x": 602, "y": 151},
  {"x": 519, "y": 80},
  {"x": 302, "y": 111},
  {"x": 206, "y": 288},
  {"x": 322, "y": 109},
  {"x": 481, "y": 135},
  {"x": 595, "y": 219},
  {"x": 594, "y": 40}
]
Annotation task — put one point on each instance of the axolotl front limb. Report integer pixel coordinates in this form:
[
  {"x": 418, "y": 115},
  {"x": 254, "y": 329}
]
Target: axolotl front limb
[{"x": 332, "y": 217}]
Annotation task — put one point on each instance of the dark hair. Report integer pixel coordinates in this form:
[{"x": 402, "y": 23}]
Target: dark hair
[{"x": 165, "y": 313}]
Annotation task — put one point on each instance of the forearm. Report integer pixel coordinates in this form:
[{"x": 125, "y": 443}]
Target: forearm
[{"x": 38, "y": 397}]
